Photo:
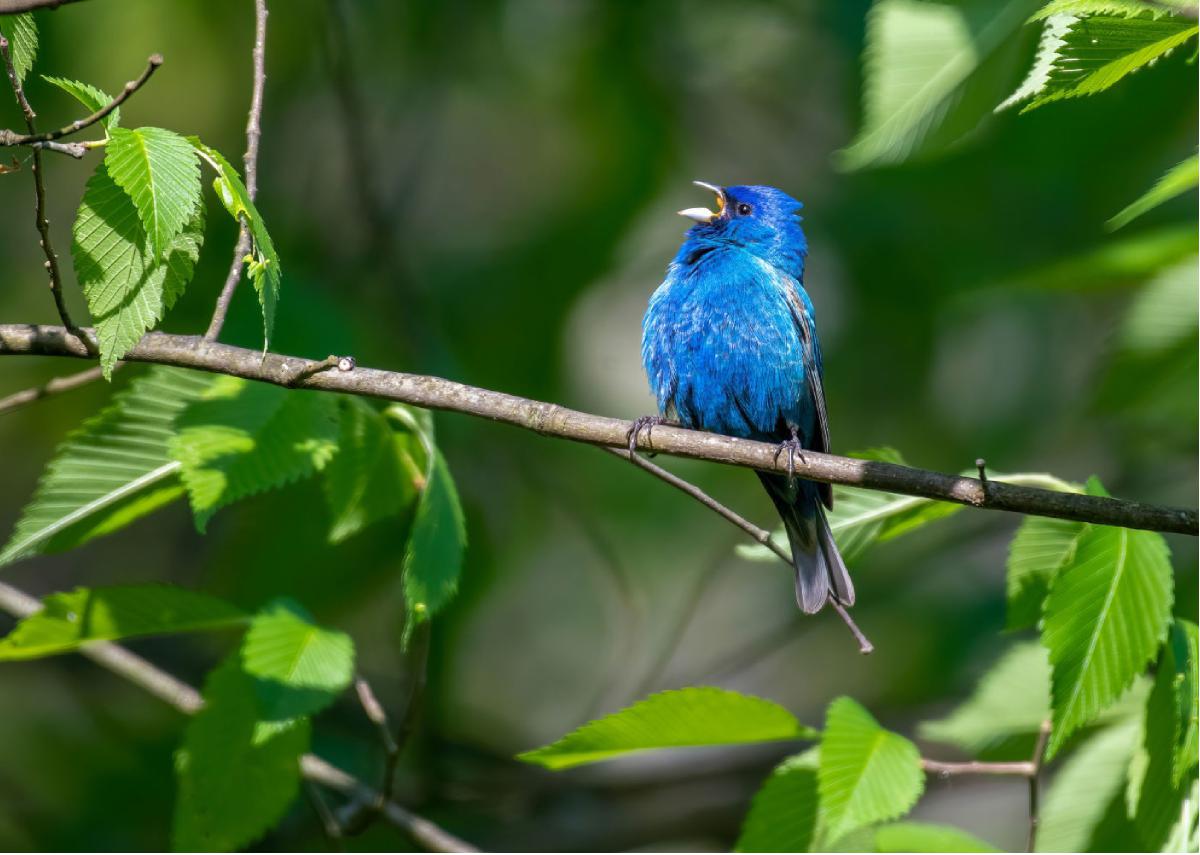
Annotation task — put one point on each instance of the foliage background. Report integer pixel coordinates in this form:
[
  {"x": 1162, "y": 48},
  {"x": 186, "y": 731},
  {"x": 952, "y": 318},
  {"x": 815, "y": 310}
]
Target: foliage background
[{"x": 496, "y": 207}]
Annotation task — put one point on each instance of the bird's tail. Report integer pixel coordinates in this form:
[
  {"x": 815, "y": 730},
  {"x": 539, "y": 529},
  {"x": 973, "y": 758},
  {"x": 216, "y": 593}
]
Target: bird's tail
[{"x": 820, "y": 570}]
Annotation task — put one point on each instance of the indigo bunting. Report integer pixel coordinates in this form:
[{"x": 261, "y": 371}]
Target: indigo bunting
[{"x": 729, "y": 343}]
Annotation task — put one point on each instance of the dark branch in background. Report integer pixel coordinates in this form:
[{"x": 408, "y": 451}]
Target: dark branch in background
[
  {"x": 12, "y": 7},
  {"x": 36, "y": 140},
  {"x": 552, "y": 420},
  {"x": 53, "y": 387},
  {"x": 1039, "y": 757},
  {"x": 250, "y": 164},
  {"x": 187, "y": 700},
  {"x": 43, "y": 224},
  {"x": 759, "y": 534}
]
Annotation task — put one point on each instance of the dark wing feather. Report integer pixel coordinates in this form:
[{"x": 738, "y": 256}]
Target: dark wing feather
[{"x": 812, "y": 373}]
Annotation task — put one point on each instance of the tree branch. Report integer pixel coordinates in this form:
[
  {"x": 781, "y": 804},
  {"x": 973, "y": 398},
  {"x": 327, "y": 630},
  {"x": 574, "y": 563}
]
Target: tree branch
[
  {"x": 37, "y": 141},
  {"x": 186, "y": 699},
  {"x": 759, "y": 534},
  {"x": 53, "y": 387},
  {"x": 250, "y": 164},
  {"x": 39, "y": 186},
  {"x": 552, "y": 420}
]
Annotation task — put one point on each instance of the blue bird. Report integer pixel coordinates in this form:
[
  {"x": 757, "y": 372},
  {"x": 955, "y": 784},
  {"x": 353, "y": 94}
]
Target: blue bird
[{"x": 729, "y": 343}]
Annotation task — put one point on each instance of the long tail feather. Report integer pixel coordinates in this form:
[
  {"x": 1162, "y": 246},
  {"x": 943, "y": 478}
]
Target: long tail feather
[{"x": 819, "y": 568}]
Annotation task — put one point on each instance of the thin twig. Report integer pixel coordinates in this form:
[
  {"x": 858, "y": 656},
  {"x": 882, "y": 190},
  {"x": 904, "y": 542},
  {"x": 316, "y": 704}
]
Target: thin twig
[
  {"x": 33, "y": 138},
  {"x": 250, "y": 167},
  {"x": 170, "y": 689},
  {"x": 356, "y": 816},
  {"x": 942, "y": 769},
  {"x": 1039, "y": 757},
  {"x": 329, "y": 822},
  {"x": 551, "y": 420},
  {"x": 43, "y": 224},
  {"x": 759, "y": 534},
  {"x": 53, "y": 387}
]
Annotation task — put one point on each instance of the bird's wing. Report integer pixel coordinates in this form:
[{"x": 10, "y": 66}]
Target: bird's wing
[{"x": 812, "y": 374}]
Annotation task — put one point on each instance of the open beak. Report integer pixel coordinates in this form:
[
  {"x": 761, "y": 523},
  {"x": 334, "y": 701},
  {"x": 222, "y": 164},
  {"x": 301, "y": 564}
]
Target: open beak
[{"x": 703, "y": 215}]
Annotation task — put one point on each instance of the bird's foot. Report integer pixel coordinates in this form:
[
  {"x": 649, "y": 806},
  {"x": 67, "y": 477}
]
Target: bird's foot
[
  {"x": 794, "y": 449},
  {"x": 643, "y": 423}
]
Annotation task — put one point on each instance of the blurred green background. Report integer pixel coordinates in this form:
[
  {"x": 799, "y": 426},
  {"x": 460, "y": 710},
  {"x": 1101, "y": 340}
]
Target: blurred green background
[{"x": 485, "y": 191}]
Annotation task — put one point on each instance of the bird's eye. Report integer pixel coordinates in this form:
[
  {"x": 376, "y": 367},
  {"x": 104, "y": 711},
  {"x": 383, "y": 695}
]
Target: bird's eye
[{"x": 744, "y": 210}]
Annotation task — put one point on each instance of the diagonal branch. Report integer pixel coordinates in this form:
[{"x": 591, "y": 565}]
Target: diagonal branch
[
  {"x": 38, "y": 141},
  {"x": 168, "y": 688},
  {"x": 250, "y": 164},
  {"x": 52, "y": 387},
  {"x": 12, "y": 7},
  {"x": 552, "y": 420},
  {"x": 39, "y": 186}
]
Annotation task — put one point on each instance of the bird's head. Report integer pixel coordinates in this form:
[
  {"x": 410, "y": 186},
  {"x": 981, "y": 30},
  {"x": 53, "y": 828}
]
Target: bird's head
[{"x": 759, "y": 219}]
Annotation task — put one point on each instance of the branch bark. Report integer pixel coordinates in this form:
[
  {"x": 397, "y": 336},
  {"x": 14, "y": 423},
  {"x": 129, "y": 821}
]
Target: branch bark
[
  {"x": 12, "y": 7},
  {"x": 168, "y": 688},
  {"x": 556, "y": 421}
]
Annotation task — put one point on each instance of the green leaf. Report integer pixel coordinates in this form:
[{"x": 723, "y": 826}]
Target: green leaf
[
  {"x": 106, "y": 614},
  {"x": 128, "y": 287},
  {"x": 783, "y": 815},
  {"x": 1084, "y": 55},
  {"x": 1106, "y": 614},
  {"x": 1162, "y": 314},
  {"x": 673, "y": 719},
  {"x": 111, "y": 470},
  {"x": 89, "y": 96},
  {"x": 1168, "y": 711},
  {"x": 867, "y": 774},
  {"x": 1011, "y": 699},
  {"x": 434, "y": 553},
  {"x": 1178, "y": 179},
  {"x": 300, "y": 667},
  {"x": 236, "y": 774},
  {"x": 263, "y": 265},
  {"x": 932, "y": 72},
  {"x": 373, "y": 476},
  {"x": 927, "y": 837},
  {"x": 22, "y": 34},
  {"x": 1118, "y": 8},
  {"x": 242, "y": 438},
  {"x": 1042, "y": 545},
  {"x": 1092, "y": 777},
  {"x": 1182, "y": 663},
  {"x": 160, "y": 172}
]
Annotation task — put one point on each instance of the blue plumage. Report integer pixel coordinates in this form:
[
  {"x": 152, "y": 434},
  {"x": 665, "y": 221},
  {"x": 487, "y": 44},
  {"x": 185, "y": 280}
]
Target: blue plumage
[{"x": 729, "y": 344}]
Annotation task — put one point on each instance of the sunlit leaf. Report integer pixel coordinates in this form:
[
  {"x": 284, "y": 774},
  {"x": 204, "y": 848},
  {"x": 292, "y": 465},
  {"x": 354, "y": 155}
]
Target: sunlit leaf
[
  {"x": 300, "y": 667},
  {"x": 783, "y": 815},
  {"x": 673, "y": 719},
  {"x": 89, "y": 96},
  {"x": 1178, "y": 179},
  {"x": 927, "y": 837},
  {"x": 867, "y": 774},
  {"x": 932, "y": 73},
  {"x": 262, "y": 265},
  {"x": 1106, "y": 614},
  {"x": 159, "y": 171},
  {"x": 113, "y": 469},
  {"x": 107, "y": 614},
  {"x": 129, "y": 287},
  {"x": 243, "y": 438},
  {"x": 1085, "y": 55},
  {"x": 1040, "y": 548},
  {"x": 22, "y": 34}
]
